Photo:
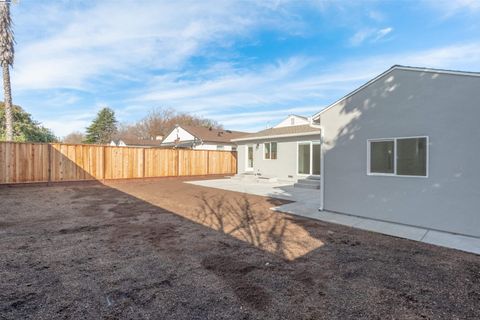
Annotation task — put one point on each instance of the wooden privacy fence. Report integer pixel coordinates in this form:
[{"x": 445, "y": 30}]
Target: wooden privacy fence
[{"x": 38, "y": 162}]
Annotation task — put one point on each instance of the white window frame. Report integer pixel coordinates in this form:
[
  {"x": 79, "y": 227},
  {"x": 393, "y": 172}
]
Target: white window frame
[
  {"x": 394, "y": 174},
  {"x": 312, "y": 142},
  {"x": 270, "y": 143}
]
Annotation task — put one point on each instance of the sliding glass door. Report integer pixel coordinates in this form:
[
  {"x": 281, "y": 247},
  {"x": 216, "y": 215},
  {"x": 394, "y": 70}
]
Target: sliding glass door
[
  {"x": 308, "y": 158},
  {"x": 304, "y": 158}
]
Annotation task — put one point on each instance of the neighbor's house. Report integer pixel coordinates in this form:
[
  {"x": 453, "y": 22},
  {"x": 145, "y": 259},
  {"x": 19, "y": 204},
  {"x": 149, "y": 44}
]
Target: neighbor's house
[
  {"x": 201, "y": 138},
  {"x": 404, "y": 148},
  {"x": 288, "y": 151},
  {"x": 148, "y": 143}
]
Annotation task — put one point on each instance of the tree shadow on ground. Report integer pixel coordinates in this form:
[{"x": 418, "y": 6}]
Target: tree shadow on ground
[
  {"x": 240, "y": 217},
  {"x": 173, "y": 250}
]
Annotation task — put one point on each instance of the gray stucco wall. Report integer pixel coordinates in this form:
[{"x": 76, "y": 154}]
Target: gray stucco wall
[
  {"x": 284, "y": 167},
  {"x": 444, "y": 107}
]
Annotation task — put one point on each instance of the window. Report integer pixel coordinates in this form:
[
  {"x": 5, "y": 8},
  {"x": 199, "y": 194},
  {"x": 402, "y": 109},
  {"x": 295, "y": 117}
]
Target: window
[
  {"x": 308, "y": 158},
  {"x": 412, "y": 157},
  {"x": 270, "y": 150},
  {"x": 381, "y": 156},
  {"x": 398, "y": 156}
]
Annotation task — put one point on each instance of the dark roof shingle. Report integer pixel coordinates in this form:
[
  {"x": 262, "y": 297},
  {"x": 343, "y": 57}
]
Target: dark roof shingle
[
  {"x": 213, "y": 135},
  {"x": 141, "y": 142}
]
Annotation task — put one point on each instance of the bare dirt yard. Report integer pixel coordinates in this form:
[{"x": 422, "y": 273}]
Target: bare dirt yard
[{"x": 169, "y": 250}]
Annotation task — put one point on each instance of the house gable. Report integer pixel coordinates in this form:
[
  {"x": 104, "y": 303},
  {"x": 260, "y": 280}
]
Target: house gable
[
  {"x": 405, "y": 103},
  {"x": 178, "y": 134},
  {"x": 293, "y": 120},
  {"x": 434, "y": 72}
]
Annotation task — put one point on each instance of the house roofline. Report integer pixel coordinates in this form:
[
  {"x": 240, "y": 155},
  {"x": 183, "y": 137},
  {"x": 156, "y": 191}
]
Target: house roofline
[
  {"x": 397, "y": 67},
  {"x": 278, "y": 136}
]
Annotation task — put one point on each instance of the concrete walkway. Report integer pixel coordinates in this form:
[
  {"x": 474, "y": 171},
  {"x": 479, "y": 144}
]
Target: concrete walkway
[{"x": 307, "y": 203}]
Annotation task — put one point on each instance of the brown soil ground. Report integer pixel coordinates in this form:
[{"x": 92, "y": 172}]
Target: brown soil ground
[{"x": 169, "y": 250}]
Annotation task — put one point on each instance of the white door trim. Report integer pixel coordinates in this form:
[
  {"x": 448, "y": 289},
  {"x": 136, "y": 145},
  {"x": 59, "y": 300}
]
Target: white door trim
[
  {"x": 311, "y": 143},
  {"x": 247, "y": 168}
]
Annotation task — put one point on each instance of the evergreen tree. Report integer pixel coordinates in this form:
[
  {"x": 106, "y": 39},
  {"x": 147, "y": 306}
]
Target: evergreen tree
[
  {"x": 25, "y": 129},
  {"x": 103, "y": 127}
]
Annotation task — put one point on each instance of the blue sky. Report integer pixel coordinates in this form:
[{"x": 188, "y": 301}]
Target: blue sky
[{"x": 246, "y": 64}]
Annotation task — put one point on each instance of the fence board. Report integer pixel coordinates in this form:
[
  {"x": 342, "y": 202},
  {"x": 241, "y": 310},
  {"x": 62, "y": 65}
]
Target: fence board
[
  {"x": 21, "y": 163},
  {"x": 37, "y": 162}
]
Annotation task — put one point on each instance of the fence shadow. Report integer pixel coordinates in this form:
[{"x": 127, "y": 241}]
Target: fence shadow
[{"x": 237, "y": 216}]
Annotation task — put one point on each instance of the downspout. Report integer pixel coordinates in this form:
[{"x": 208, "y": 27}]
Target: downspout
[
  {"x": 322, "y": 165},
  {"x": 322, "y": 172}
]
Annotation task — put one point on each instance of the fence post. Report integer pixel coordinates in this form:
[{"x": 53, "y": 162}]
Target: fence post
[
  {"x": 208, "y": 162},
  {"x": 103, "y": 162},
  {"x": 178, "y": 162},
  {"x": 235, "y": 162},
  {"x": 49, "y": 164},
  {"x": 144, "y": 164}
]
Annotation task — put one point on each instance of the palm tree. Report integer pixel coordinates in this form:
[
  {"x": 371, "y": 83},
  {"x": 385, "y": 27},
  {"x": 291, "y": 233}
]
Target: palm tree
[{"x": 6, "y": 60}]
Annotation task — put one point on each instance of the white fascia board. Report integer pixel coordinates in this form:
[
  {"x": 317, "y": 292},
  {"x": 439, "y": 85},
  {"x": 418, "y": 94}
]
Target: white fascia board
[
  {"x": 442, "y": 71},
  {"x": 278, "y": 136}
]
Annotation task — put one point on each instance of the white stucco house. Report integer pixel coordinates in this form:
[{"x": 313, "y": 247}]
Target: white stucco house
[
  {"x": 289, "y": 151},
  {"x": 401, "y": 148},
  {"x": 201, "y": 138}
]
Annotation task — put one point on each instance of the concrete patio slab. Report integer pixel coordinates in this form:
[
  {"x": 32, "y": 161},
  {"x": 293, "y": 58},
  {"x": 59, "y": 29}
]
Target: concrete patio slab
[
  {"x": 339, "y": 218},
  {"x": 454, "y": 241},
  {"x": 392, "y": 229},
  {"x": 306, "y": 204},
  {"x": 304, "y": 209},
  {"x": 278, "y": 190}
]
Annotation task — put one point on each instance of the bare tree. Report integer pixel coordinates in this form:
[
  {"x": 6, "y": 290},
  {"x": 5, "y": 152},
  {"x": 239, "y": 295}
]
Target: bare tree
[
  {"x": 159, "y": 121},
  {"x": 6, "y": 59},
  {"x": 75, "y": 137}
]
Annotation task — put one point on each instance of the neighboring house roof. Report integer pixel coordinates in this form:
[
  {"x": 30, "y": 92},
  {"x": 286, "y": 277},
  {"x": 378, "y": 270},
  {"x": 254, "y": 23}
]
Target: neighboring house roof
[
  {"x": 281, "y": 132},
  {"x": 397, "y": 67},
  {"x": 139, "y": 142},
  {"x": 211, "y": 134},
  {"x": 298, "y": 116}
]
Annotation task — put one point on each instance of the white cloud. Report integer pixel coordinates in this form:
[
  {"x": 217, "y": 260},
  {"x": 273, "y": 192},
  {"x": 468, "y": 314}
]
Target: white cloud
[
  {"x": 360, "y": 36},
  {"x": 250, "y": 99},
  {"x": 376, "y": 15},
  {"x": 452, "y": 7},
  {"x": 68, "y": 122},
  {"x": 282, "y": 88},
  {"x": 125, "y": 37},
  {"x": 96, "y": 45},
  {"x": 263, "y": 119},
  {"x": 382, "y": 33},
  {"x": 369, "y": 34}
]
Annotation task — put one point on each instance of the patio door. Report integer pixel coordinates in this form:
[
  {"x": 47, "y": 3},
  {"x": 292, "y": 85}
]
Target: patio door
[
  {"x": 249, "y": 158},
  {"x": 308, "y": 158}
]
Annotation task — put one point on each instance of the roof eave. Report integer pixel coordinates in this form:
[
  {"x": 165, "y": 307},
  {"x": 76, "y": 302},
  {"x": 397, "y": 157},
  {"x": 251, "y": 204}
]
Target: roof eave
[
  {"x": 277, "y": 136},
  {"x": 219, "y": 142},
  {"x": 395, "y": 67}
]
